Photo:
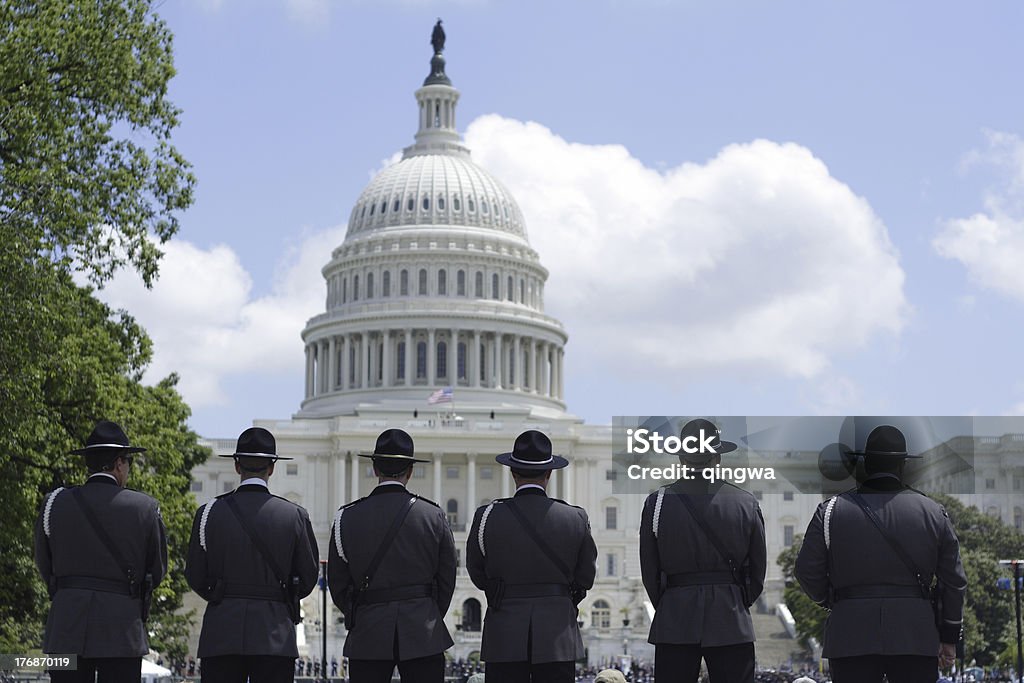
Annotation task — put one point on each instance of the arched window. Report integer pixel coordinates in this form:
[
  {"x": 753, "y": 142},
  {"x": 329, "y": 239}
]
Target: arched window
[
  {"x": 369, "y": 286},
  {"x": 410, "y": 205},
  {"x": 452, "y": 508},
  {"x": 384, "y": 207},
  {"x": 421, "y": 360},
  {"x": 456, "y": 203},
  {"x": 385, "y": 285},
  {"x": 460, "y": 283},
  {"x": 510, "y": 289},
  {"x": 470, "y": 205},
  {"x": 440, "y": 203},
  {"x": 423, "y": 281},
  {"x": 442, "y": 360},
  {"x": 355, "y": 288},
  {"x": 478, "y": 289},
  {"x": 481, "y": 353},
  {"x": 426, "y": 203},
  {"x": 522, "y": 291},
  {"x": 400, "y": 361},
  {"x": 471, "y": 615},
  {"x": 442, "y": 282},
  {"x": 397, "y": 206},
  {"x": 601, "y": 614},
  {"x": 344, "y": 290},
  {"x": 512, "y": 365},
  {"x": 495, "y": 294},
  {"x": 461, "y": 360},
  {"x": 403, "y": 283}
]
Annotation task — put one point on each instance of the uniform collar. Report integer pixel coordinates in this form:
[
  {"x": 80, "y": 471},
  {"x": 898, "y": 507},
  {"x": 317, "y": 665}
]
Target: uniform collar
[
  {"x": 254, "y": 481},
  {"x": 531, "y": 490},
  {"x": 882, "y": 481},
  {"x": 102, "y": 478},
  {"x": 389, "y": 487}
]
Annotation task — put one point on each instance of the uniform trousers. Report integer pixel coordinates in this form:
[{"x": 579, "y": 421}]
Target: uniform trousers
[
  {"x": 252, "y": 668},
  {"x": 429, "y": 669},
  {"x": 102, "y": 670},
  {"x": 726, "y": 663},
  {"x": 871, "y": 668},
  {"x": 527, "y": 672}
]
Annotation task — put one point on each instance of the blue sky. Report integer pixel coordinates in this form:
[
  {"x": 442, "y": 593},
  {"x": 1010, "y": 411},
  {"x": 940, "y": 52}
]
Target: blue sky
[{"x": 789, "y": 207}]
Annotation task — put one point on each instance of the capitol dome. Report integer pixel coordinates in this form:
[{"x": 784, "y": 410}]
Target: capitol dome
[{"x": 435, "y": 286}]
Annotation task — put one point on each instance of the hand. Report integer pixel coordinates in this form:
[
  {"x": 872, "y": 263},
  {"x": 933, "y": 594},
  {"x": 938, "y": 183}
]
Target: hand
[{"x": 947, "y": 655}]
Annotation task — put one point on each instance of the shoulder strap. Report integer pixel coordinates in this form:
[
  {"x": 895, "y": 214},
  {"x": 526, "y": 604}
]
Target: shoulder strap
[
  {"x": 827, "y": 525},
  {"x": 897, "y": 548},
  {"x": 396, "y": 523},
  {"x": 702, "y": 523},
  {"x": 483, "y": 525},
  {"x": 257, "y": 540},
  {"x": 104, "y": 537},
  {"x": 657, "y": 511},
  {"x": 544, "y": 547}
]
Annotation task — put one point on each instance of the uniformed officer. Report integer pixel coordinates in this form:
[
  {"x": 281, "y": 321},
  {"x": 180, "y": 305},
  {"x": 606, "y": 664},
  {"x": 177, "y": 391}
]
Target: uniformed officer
[
  {"x": 101, "y": 549},
  {"x": 535, "y": 559},
  {"x": 870, "y": 554},
  {"x": 252, "y": 556},
  {"x": 391, "y": 571},
  {"x": 703, "y": 562}
]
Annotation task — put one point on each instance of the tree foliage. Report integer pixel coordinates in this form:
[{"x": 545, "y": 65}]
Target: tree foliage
[{"x": 89, "y": 183}]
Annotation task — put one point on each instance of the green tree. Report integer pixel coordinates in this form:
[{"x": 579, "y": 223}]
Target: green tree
[
  {"x": 89, "y": 183},
  {"x": 809, "y": 617}
]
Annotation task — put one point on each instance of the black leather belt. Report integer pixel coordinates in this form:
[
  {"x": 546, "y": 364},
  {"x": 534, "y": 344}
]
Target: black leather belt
[
  {"x": 536, "y": 590},
  {"x": 878, "y": 591},
  {"x": 94, "y": 584},
  {"x": 700, "y": 579},
  {"x": 379, "y": 595},
  {"x": 254, "y": 591}
]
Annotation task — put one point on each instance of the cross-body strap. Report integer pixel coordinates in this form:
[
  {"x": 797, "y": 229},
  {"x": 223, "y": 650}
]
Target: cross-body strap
[
  {"x": 257, "y": 540},
  {"x": 104, "y": 537},
  {"x": 702, "y": 523},
  {"x": 544, "y": 547},
  {"x": 396, "y": 523},
  {"x": 897, "y": 548}
]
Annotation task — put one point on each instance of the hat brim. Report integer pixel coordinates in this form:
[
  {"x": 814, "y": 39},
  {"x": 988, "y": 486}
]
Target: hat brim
[
  {"x": 392, "y": 456},
  {"x": 105, "y": 448},
  {"x": 888, "y": 454},
  {"x": 557, "y": 462},
  {"x": 268, "y": 456},
  {"x": 723, "y": 448}
]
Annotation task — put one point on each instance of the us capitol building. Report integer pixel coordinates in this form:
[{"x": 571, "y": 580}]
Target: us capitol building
[{"x": 436, "y": 285}]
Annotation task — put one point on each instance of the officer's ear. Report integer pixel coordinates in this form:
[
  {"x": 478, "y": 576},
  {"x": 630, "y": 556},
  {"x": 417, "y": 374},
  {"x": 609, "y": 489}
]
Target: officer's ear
[{"x": 270, "y": 468}]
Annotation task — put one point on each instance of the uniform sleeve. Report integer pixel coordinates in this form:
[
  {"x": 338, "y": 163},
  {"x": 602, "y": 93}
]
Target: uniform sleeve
[
  {"x": 44, "y": 560},
  {"x": 339, "y": 576},
  {"x": 650, "y": 560},
  {"x": 156, "y": 550},
  {"x": 812, "y": 562},
  {"x": 195, "y": 562},
  {"x": 305, "y": 557},
  {"x": 476, "y": 563},
  {"x": 757, "y": 556},
  {"x": 950, "y": 573},
  {"x": 586, "y": 560},
  {"x": 444, "y": 579}
]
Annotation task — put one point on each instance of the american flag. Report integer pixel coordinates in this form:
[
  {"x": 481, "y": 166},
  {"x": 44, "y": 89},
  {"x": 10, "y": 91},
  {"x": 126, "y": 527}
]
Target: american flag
[{"x": 441, "y": 396}]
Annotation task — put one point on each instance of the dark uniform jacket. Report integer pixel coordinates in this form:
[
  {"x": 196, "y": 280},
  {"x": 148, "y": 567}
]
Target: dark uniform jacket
[
  {"x": 98, "y": 623},
  {"x": 421, "y": 554},
  {"x": 531, "y": 629},
  {"x": 220, "y": 549},
  {"x": 860, "y": 556},
  {"x": 710, "y": 615}
]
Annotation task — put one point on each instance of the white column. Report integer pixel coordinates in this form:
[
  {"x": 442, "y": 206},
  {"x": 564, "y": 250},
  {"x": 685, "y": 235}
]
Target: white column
[
  {"x": 517, "y": 364},
  {"x": 431, "y": 357},
  {"x": 386, "y": 360},
  {"x": 497, "y": 360},
  {"x": 341, "y": 463},
  {"x": 545, "y": 369},
  {"x": 453, "y": 358},
  {"x": 437, "y": 480},
  {"x": 366, "y": 360},
  {"x": 354, "y": 482},
  {"x": 568, "y": 495},
  {"x": 474, "y": 371},
  {"x": 410, "y": 369},
  {"x": 533, "y": 366},
  {"x": 506, "y": 482},
  {"x": 561, "y": 373},
  {"x": 321, "y": 366},
  {"x": 346, "y": 346},
  {"x": 309, "y": 371},
  {"x": 470, "y": 485},
  {"x": 332, "y": 364},
  {"x": 553, "y": 491}
]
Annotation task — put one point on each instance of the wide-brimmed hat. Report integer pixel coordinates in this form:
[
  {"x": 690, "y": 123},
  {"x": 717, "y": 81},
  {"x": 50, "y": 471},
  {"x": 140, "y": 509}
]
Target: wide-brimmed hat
[
  {"x": 393, "y": 444},
  {"x": 256, "y": 442},
  {"x": 532, "y": 451},
  {"x": 699, "y": 429},
  {"x": 107, "y": 437},
  {"x": 887, "y": 441}
]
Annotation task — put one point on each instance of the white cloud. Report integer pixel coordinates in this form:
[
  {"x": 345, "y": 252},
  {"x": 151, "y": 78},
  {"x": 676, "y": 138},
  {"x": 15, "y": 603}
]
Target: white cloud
[
  {"x": 205, "y": 323},
  {"x": 990, "y": 244},
  {"x": 755, "y": 260}
]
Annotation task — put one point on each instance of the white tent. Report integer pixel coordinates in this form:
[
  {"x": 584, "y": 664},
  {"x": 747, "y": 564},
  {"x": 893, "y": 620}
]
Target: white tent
[{"x": 154, "y": 673}]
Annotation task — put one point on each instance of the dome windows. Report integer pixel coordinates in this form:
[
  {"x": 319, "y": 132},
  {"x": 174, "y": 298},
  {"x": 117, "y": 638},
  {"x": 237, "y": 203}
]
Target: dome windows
[
  {"x": 423, "y": 281},
  {"x": 383, "y": 206},
  {"x": 403, "y": 283},
  {"x": 410, "y": 205},
  {"x": 495, "y": 294},
  {"x": 440, "y": 203},
  {"x": 397, "y": 205},
  {"x": 426, "y": 203},
  {"x": 456, "y": 203},
  {"x": 385, "y": 284},
  {"x": 442, "y": 282},
  {"x": 470, "y": 205},
  {"x": 478, "y": 285},
  {"x": 483, "y": 207}
]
